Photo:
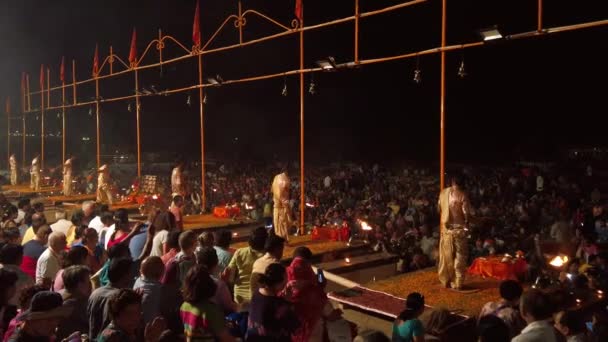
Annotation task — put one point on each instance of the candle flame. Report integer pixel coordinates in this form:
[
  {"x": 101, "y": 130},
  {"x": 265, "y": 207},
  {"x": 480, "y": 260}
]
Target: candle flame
[
  {"x": 365, "y": 225},
  {"x": 558, "y": 261},
  {"x": 235, "y": 234}
]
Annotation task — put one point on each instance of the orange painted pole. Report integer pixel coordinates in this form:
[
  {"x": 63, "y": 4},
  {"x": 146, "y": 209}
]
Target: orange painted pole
[
  {"x": 137, "y": 122},
  {"x": 111, "y": 60},
  {"x": 539, "y": 27},
  {"x": 27, "y": 83},
  {"x": 302, "y": 181},
  {"x": 48, "y": 87},
  {"x": 8, "y": 132},
  {"x": 97, "y": 121},
  {"x": 240, "y": 21},
  {"x": 356, "y": 31},
  {"x": 74, "y": 82},
  {"x": 442, "y": 100},
  {"x": 62, "y": 121},
  {"x": 42, "y": 127},
  {"x": 23, "y": 142},
  {"x": 202, "y": 128}
]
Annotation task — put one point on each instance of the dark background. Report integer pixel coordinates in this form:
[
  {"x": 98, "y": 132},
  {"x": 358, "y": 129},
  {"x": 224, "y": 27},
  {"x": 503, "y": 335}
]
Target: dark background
[{"x": 525, "y": 98}]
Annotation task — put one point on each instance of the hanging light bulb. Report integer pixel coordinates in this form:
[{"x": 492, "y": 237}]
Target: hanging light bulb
[
  {"x": 462, "y": 73},
  {"x": 37, "y": 117},
  {"x": 284, "y": 91},
  {"x": 189, "y": 100},
  {"x": 58, "y": 115},
  {"x": 91, "y": 111},
  {"x": 312, "y": 88},
  {"x": 417, "y": 72},
  {"x": 129, "y": 107},
  {"x": 205, "y": 99}
]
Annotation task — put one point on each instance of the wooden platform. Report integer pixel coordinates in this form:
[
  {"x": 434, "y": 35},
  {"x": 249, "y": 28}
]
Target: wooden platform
[
  {"x": 209, "y": 221},
  {"x": 54, "y": 200},
  {"x": 24, "y": 189},
  {"x": 118, "y": 205}
]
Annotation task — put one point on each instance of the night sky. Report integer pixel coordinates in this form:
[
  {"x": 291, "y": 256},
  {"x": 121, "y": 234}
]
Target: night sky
[{"x": 531, "y": 96}]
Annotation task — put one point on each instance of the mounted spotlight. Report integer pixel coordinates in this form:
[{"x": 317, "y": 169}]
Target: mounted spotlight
[
  {"x": 328, "y": 64},
  {"x": 284, "y": 91},
  {"x": 216, "y": 81},
  {"x": 490, "y": 33},
  {"x": 129, "y": 107},
  {"x": 462, "y": 73},
  {"x": 417, "y": 71},
  {"x": 205, "y": 99},
  {"x": 312, "y": 88},
  {"x": 189, "y": 100},
  {"x": 91, "y": 111}
]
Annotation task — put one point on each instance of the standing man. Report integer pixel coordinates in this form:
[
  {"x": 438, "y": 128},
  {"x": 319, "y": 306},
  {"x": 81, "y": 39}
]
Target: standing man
[
  {"x": 177, "y": 180},
  {"x": 453, "y": 224},
  {"x": 35, "y": 174},
  {"x": 13, "y": 167},
  {"x": 103, "y": 185},
  {"x": 282, "y": 210},
  {"x": 67, "y": 177}
]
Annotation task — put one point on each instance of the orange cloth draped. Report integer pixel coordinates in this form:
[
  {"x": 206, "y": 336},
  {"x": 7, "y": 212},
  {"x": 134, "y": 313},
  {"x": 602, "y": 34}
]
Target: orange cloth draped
[
  {"x": 226, "y": 212},
  {"x": 495, "y": 268},
  {"x": 328, "y": 233}
]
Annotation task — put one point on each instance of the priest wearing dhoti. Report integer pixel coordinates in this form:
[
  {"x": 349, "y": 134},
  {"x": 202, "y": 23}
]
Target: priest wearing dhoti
[
  {"x": 35, "y": 174},
  {"x": 282, "y": 210},
  {"x": 67, "y": 177},
  {"x": 13, "y": 168},
  {"x": 177, "y": 180},
  {"x": 453, "y": 224},
  {"x": 104, "y": 195}
]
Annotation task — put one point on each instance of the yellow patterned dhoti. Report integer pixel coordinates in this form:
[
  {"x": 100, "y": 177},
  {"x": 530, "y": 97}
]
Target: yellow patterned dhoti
[
  {"x": 35, "y": 181},
  {"x": 67, "y": 185},
  {"x": 453, "y": 255},
  {"x": 104, "y": 195},
  {"x": 281, "y": 222},
  {"x": 13, "y": 176}
]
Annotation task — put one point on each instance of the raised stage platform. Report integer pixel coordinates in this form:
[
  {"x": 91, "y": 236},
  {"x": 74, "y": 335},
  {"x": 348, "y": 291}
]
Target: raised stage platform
[{"x": 24, "y": 190}]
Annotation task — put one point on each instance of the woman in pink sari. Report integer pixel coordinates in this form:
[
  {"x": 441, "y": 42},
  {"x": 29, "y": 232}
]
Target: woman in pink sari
[{"x": 308, "y": 297}]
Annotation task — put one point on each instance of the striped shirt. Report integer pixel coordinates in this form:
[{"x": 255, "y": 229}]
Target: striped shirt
[{"x": 202, "y": 321}]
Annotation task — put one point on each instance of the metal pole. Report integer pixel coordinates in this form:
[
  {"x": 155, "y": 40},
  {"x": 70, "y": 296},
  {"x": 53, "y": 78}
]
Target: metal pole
[
  {"x": 202, "y": 128},
  {"x": 42, "y": 127},
  {"x": 23, "y": 144},
  {"x": 8, "y": 133},
  {"x": 539, "y": 28},
  {"x": 74, "y": 81},
  {"x": 240, "y": 23},
  {"x": 97, "y": 119},
  {"x": 29, "y": 101},
  {"x": 62, "y": 121},
  {"x": 48, "y": 87},
  {"x": 137, "y": 117},
  {"x": 302, "y": 181},
  {"x": 356, "y": 31},
  {"x": 442, "y": 100}
]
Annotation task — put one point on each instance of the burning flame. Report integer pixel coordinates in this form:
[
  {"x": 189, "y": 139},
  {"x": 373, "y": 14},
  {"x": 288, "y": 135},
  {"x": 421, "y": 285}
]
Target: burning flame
[
  {"x": 248, "y": 207},
  {"x": 155, "y": 197},
  {"x": 558, "y": 261},
  {"x": 310, "y": 205},
  {"x": 347, "y": 260},
  {"x": 365, "y": 225}
]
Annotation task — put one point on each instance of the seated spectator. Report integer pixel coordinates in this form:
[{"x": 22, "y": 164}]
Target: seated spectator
[
  {"x": 123, "y": 232},
  {"x": 407, "y": 326},
  {"x": 124, "y": 308},
  {"x": 507, "y": 308},
  {"x": 222, "y": 248},
  {"x": 208, "y": 259},
  {"x": 205, "y": 239},
  {"x": 202, "y": 319},
  {"x": 437, "y": 322},
  {"x": 164, "y": 223},
  {"x": 271, "y": 318},
  {"x": 492, "y": 329},
  {"x": 42, "y": 318},
  {"x": 77, "y": 228},
  {"x": 75, "y": 256},
  {"x": 8, "y": 287},
  {"x": 77, "y": 234},
  {"x": 88, "y": 212},
  {"x": 172, "y": 245},
  {"x": 11, "y": 257},
  {"x": 96, "y": 256},
  {"x": 49, "y": 262},
  {"x": 274, "y": 247},
  {"x": 8, "y": 217},
  {"x": 536, "y": 308},
  {"x": 75, "y": 295},
  {"x": 24, "y": 304},
  {"x": 10, "y": 235},
  {"x": 571, "y": 325},
  {"x": 37, "y": 221},
  {"x": 34, "y": 248},
  {"x": 149, "y": 286}
]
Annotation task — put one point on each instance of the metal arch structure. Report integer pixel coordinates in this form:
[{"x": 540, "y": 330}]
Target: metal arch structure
[{"x": 239, "y": 21}]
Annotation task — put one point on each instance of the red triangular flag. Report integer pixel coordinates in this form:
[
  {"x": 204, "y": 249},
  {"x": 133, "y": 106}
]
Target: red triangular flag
[
  {"x": 133, "y": 51},
  {"x": 196, "y": 28},
  {"x": 41, "y": 76},
  {"x": 298, "y": 11},
  {"x": 96, "y": 62},
  {"x": 62, "y": 70}
]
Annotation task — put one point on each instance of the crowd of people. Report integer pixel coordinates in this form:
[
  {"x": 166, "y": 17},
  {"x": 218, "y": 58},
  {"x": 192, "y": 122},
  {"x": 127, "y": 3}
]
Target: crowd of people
[{"x": 98, "y": 274}]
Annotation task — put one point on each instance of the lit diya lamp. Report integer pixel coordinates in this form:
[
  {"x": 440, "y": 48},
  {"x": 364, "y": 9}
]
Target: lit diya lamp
[
  {"x": 366, "y": 228},
  {"x": 559, "y": 261}
]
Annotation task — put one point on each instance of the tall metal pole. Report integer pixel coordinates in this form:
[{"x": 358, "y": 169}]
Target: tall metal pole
[
  {"x": 62, "y": 121},
  {"x": 202, "y": 128},
  {"x": 356, "y": 31},
  {"x": 302, "y": 181},
  {"x": 539, "y": 27},
  {"x": 442, "y": 100},
  {"x": 74, "y": 81},
  {"x": 42, "y": 126},
  {"x": 97, "y": 120},
  {"x": 8, "y": 132},
  {"x": 137, "y": 118},
  {"x": 23, "y": 143},
  {"x": 27, "y": 84}
]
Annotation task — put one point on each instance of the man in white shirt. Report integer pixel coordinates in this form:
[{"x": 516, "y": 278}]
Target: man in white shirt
[
  {"x": 536, "y": 309},
  {"x": 61, "y": 225},
  {"x": 49, "y": 262},
  {"x": 23, "y": 205},
  {"x": 104, "y": 225}
]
